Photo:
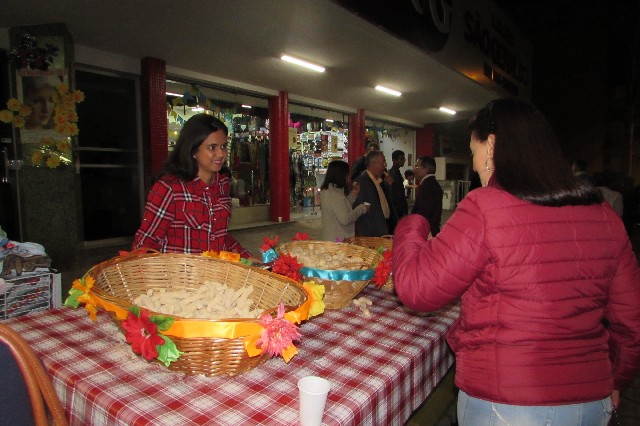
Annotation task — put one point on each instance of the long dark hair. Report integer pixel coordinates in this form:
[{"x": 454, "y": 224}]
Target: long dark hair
[
  {"x": 527, "y": 156},
  {"x": 180, "y": 162},
  {"x": 337, "y": 174}
]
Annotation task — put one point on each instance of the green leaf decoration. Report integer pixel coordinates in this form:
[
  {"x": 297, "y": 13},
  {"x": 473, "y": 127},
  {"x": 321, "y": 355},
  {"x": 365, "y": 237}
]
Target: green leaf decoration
[
  {"x": 72, "y": 300},
  {"x": 135, "y": 309},
  {"x": 246, "y": 261},
  {"x": 163, "y": 322},
  {"x": 381, "y": 249},
  {"x": 168, "y": 352}
]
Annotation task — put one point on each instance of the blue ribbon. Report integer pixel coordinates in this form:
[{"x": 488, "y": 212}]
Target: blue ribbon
[
  {"x": 269, "y": 256},
  {"x": 336, "y": 275}
]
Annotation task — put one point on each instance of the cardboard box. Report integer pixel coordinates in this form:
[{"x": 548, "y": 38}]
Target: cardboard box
[{"x": 29, "y": 293}]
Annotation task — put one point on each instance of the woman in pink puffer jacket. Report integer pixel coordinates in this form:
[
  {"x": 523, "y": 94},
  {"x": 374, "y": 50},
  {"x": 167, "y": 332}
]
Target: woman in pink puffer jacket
[{"x": 549, "y": 330}]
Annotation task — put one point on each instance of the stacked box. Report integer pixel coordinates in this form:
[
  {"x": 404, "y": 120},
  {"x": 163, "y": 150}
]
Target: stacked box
[{"x": 29, "y": 293}]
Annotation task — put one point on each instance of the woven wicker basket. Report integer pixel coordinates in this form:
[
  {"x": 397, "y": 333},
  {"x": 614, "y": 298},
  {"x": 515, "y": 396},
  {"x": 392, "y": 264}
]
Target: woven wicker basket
[
  {"x": 338, "y": 293},
  {"x": 121, "y": 280},
  {"x": 375, "y": 243}
]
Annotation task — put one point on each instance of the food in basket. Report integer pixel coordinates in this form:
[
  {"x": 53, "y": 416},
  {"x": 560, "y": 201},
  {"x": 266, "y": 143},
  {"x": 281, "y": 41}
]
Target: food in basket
[
  {"x": 363, "y": 303},
  {"x": 212, "y": 300},
  {"x": 323, "y": 258}
]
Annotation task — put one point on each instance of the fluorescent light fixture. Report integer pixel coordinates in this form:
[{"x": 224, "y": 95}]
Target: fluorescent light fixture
[
  {"x": 389, "y": 91},
  {"x": 302, "y": 63},
  {"x": 246, "y": 106},
  {"x": 328, "y": 120},
  {"x": 174, "y": 94},
  {"x": 447, "y": 110},
  {"x": 197, "y": 109}
]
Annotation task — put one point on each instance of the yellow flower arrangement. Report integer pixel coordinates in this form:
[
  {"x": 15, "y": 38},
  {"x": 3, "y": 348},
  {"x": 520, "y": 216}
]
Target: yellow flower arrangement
[{"x": 52, "y": 152}]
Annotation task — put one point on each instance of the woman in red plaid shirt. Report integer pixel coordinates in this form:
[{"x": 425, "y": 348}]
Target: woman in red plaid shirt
[{"x": 188, "y": 209}]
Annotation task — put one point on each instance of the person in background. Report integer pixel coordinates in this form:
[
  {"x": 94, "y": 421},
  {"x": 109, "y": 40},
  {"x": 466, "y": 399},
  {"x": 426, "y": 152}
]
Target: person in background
[
  {"x": 409, "y": 179},
  {"x": 373, "y": 190},
  {"x": 549, "y": 326},
  {"x": 188, "y": 208},
  {"x": 398, "y": 198},
  {"x": 336, "y": 198},
  {"x": 360, "y": 165},
  {"x": 605, "y": 184},
  {"x": 428, "y": 201},
  {"x": 579, "y": 170}
]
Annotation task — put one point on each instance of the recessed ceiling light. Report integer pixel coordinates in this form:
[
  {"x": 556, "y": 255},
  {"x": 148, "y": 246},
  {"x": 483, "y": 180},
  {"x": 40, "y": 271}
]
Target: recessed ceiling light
[
  {"x": 302, "y": 63},
  {"x": 447, "y": 110},
  {"x": 389, "y": 91},
  {"x": 173, "y": 94},
  {"x": 246, "y": 106}
]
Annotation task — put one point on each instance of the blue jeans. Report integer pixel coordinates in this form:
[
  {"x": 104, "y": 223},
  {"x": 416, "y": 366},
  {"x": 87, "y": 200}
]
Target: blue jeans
[{"x": 478, "y": 412}]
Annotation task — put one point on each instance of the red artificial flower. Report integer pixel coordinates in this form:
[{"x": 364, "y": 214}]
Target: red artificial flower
[
  {"x": 382, "y": 271},
  {"x": 288, "y": 266},
  {"x": 300, "y": 236},
  {"x": 278, "y": 334},
  {"x": 268, "y": 243},
  {"x": 142, "y": 334}
]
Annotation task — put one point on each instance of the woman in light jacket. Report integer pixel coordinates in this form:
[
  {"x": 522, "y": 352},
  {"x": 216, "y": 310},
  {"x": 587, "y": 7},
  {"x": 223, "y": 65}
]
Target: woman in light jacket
[
  {"x": 549, "y": 330},
  {"x": 338, "y": 218}
]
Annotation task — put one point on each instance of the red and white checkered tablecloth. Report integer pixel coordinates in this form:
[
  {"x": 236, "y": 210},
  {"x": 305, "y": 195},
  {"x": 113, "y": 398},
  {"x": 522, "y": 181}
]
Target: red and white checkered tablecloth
[{"x": 381, "y": 369}]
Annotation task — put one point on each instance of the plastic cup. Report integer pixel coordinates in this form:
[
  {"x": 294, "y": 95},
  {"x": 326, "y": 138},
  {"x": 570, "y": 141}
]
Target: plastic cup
[
  {"x": 313, "y": 396},
  {"x": 279, "y": 218}
]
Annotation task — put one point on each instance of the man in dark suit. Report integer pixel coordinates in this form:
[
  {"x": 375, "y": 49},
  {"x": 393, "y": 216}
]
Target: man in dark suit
[
  {"x": 374, "y": 190},
  {"x": 398, "y": 198},
  {"x": 428, "y": 194},
  {"x": 360, "y": 164}
]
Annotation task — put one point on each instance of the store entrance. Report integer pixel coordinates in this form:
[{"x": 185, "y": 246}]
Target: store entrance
[{"x": 108, "y": 160}]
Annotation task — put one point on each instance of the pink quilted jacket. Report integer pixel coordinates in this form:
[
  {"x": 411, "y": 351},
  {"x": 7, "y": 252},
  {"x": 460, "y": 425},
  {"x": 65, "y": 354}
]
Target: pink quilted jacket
[{"x": 535, "y": 284}]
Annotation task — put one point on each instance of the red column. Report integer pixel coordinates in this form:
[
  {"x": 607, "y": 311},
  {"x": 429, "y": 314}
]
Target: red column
[
  {"x": 357, "y": 135},
  {"x": 424, "y": 141},
  {"x": 279, "y": 157},
  {"x": 153, "y": 88}
]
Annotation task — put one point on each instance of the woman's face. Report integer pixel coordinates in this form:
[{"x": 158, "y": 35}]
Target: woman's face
[
  {"x": 41, "y": 101},
  {"x": 211, "y": 155},
  {"x": 482, "y": 152}
]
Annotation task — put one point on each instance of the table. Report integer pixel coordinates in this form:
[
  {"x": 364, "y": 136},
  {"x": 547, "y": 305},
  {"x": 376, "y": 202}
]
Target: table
[{"x": 380, "y": 369}]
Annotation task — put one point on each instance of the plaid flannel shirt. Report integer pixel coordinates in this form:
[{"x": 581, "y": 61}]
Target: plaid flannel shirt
[{"x": 188, "y": 217}]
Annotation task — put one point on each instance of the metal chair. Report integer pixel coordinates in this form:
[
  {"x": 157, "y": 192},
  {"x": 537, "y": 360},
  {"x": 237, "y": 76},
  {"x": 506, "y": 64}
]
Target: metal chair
[{"x": 41, "y": 395}]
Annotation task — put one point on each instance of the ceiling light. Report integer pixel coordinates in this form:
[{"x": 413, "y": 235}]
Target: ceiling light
[
  {"x": 197, "y": 109},
  {"x": 389, "y": 91},
  {"x": 447, "y": 110},
  {"x": 328, "y": 120},
  {"x": 173, "y": 94},
  {"x": 302, "y": 63},
  {"x": 246, "y": 106}
]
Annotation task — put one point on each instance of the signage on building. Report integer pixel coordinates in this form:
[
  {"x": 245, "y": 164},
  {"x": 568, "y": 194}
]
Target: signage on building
[{"x": 473, "y": 37}]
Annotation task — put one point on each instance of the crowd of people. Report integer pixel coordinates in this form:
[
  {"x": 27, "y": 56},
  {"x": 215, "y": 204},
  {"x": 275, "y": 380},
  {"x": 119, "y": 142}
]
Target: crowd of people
[{"x": 538, "y": 258}]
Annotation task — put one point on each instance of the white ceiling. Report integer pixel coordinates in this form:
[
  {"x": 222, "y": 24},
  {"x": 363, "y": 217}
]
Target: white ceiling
[{"x": 239, "y": 42}]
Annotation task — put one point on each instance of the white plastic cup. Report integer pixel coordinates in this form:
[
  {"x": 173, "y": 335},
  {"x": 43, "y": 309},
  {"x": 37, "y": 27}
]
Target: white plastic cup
[
  {"x": 279, "y": 218},
  {"x": 313, "y": 396}
]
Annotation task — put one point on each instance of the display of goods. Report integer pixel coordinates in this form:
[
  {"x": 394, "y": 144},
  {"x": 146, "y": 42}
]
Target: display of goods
[
  {"x": 204, "y": 346},
  {"x": 376, "y": 243},
  {"x": 343, "y": 269}
]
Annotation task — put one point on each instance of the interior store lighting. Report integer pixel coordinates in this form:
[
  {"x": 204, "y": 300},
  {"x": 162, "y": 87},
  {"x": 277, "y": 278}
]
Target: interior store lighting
[
  {"x": 197, "y": 109},
  {"x": 388, "y": 91},
  {"x": 246, "y": 106},
  {"x": 302, "y": 63},
  {"x": 174, "y": 94},
  {"x": 447, "y": 110},
  {"x": 328, "y": 120}
]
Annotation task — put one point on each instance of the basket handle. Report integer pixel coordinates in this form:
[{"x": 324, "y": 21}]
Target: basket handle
[{"x": 122, "y": 257}]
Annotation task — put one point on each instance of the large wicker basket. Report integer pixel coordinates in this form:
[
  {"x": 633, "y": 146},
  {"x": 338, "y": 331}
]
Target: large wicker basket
[
  {"x": 375, "y": 243},
  {"x": 338, "y": 293},
  {"x": 120, "y": 280}
]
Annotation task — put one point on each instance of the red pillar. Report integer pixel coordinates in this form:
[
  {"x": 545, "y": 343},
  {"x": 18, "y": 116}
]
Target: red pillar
[
  {"x": 153, "y": 88},
  {"x": 279, "y": 157},
  {"x": 357, "y": 135},
  {"x": 425, "y": 141}
]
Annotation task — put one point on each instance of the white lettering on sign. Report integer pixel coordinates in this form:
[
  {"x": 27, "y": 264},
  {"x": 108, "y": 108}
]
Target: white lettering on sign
[{"x": 439, "y": 10}]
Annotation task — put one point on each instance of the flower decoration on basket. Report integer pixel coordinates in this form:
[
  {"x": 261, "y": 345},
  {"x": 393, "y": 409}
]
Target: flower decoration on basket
[
  {"x": 141, "y": 331},
  {"x": 80, "y": 292},
  {"x": 227, "y": 255},
  {"x": 383, "y": 270},
  {"x": 278, "y": 335}
]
